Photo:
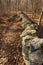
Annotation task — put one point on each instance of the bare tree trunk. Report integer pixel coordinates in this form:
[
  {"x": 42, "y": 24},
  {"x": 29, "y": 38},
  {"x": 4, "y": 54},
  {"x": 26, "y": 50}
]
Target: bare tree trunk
[{"x": 40, "y": 18}]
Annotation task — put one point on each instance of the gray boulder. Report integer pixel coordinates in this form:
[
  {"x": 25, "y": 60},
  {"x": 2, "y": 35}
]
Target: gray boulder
[{"x": 31, "y": 44}]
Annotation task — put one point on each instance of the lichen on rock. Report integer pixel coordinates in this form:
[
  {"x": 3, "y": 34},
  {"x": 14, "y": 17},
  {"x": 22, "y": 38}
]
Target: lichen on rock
[{"x": 31, "y": 43}]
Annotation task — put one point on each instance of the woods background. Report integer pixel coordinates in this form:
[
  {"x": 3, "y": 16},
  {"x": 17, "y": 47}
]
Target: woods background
[{"x": 7, "y": 6}]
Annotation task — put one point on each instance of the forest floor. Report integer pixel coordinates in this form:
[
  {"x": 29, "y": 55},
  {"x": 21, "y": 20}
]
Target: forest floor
[
  {"x": 10, "y": 30},
  {"x": 10, "y": 41}
]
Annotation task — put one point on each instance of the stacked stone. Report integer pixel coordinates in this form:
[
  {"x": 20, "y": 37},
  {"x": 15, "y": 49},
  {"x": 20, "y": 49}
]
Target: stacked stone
[{"x": 31, "y": 44}]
